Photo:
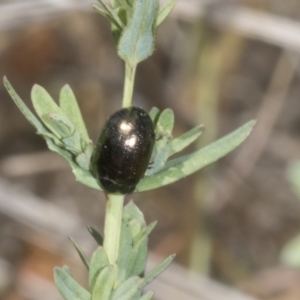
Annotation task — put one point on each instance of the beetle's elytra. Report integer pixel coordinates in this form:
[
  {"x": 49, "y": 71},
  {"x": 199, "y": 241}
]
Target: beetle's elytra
[{"x": 123, "y": 150}]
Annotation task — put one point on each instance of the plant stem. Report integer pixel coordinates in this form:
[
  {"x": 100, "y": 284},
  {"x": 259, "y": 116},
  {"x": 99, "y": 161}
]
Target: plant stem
[
  {"x": 128, "y": 85},
  {"x": 112, "y": 226}
]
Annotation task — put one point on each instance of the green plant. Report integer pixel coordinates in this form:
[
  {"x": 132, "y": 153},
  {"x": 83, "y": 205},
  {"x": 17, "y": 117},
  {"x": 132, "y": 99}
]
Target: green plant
[
  {"x": 116, "y": 268},
  {"x": 290, "y": 254}
]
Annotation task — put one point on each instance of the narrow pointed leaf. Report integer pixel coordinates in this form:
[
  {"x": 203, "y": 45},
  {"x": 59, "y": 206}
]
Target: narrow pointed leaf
[
  {"x": 41, "y": 97},
  {"x": 69, "y": 137},
  {"x": 58, "y": 124},
  {"x": 127, "y": 290},
  {"x": 51, "y": 136},
  {"x": 83, "y": 161},
  {"x": 85, "y": 177},
  {"x": 126, "y": 244},
  {"x": 138, "y": 259},
  {"x": 101, "y": 10},
  {"x": 132, "y": 212},
  {"x": 147, "y": 296},
  {"x": 65, "y": 154},
  {"x": 68, "y": 287},
  {"x": 157, "y": 271},
  {"x": 52, "y": 126},
  {"x": 43, "y": 102},
  {"x": 96, "y": 235},
  {"x": 109, "y": 13},
  {"x": 163, "y": 138},
  {"x": 164, "y": 11},
  {"x": 154, "y": 114},
  {"x": 112, "y": 14},
  {"x": 138, "y": 256},
  {"x": 165, "y": 123},
  {"x": 69, "y": 106},
  {"x": 81, "y": 175},
  {"x": 73, "y": 143},
  {"x": 80, "y": 253},
  {"x": 188, "y": 164},
  {"x": 135, "y": 228},
  {"x": 104, "y": 283},
  {"x": 294, "y": 177},
  {"x": 24, "y": 109},
  {"x": 138, "y": 37},
  {"x": 146, "y": 231},
  {"x": 186, "y": 139},
  {"x": 98, "y": 262}
]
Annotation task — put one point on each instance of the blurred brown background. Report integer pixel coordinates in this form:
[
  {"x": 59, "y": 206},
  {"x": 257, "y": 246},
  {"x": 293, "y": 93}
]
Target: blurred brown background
[{"x": 220, "y": 63}]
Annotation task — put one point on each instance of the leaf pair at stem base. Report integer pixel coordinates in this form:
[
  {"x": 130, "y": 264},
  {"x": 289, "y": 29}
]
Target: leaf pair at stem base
[{"x": 124, "y": 280}]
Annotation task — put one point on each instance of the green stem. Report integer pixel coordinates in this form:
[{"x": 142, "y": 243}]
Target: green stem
[
  {"x": 112, "y": 226},
  {"x": 128, "y": 85}
]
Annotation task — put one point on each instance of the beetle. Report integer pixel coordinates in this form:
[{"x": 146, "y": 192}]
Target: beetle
[{"x": 123, "y": 150}]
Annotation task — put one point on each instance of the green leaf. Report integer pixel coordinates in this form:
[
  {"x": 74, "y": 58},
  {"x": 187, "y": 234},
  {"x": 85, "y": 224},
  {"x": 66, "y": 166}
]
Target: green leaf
[
  {"x": 45, "y": 106},
  {"x": 188, "y": 164},
  {"x": 81, "y": 175},
  {"x": 69, "y": 146},
  {"x": 138, "y": 255},
  {"x": 125, "y": 5},
  {"x": 113, "y": 14},
  {"x": 165, "y": 123},
  {"x": 54, "y": 129},
  {"x": 59, "y": 125},
  {"x": 290, "y": 255},
  {"x": 85, "y": 177},
  {"x": 138, "y": 37},
  {"x": 138, "y": 258},
  {"x": 84, "y": 159},
  {"x": 80, "y": 253},
  {"x": 132, "y": 212},
  {"x": 186, "y": 139},
  {"x": 127, "y": 290},
  {"x": 104, "y": 283},
  {"x": 157, "y": 271},
  {"x": 73, "y": 144},
  {"x": 98, "y": 262},
  {"x": 115, "y": 3},
  {"x": 145, "y": 232},
  {"x": 96, "y": 235},
  {"x": 294, "y": 176},
  {"x": 70, "y": 108},
  {"x": 65, "y": 154},
  {"x": 68, "y": 287},
  {"x": 163, "y": 138},
  {"x": 135, "y": 228},
  {"x": 109, "y": 13},
  {"x": 147, "y": 296},
  {"x": 164, "y": 11},
  {"x": 133, "y": 253},
  {"x": 24, "y": 109},
  {"x": 43, "y": 102},
  {"x": 54, "y": 139},
  {"x": 101, "y": 10},
  {"x": 123, "y": 13},
  {"x": 126, "y": 244},
  {"x": 154, "y": 114}
]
